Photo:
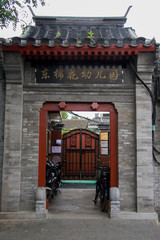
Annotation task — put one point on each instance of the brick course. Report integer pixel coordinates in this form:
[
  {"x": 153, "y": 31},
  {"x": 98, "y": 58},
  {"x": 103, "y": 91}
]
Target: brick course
[{"x": 2, "y": 108}]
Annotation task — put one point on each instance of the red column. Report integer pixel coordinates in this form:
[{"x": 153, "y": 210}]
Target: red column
[
  {"x": 113, "y": 149},
  {"x": 42, "y": 148}
]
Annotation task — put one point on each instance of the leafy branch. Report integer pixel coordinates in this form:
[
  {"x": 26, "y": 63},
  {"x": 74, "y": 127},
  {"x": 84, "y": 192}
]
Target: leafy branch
[
  {"x": 90, "y": 35},
  {"x": 10, "y": 11},
  {"x": 58, "y": 34}
]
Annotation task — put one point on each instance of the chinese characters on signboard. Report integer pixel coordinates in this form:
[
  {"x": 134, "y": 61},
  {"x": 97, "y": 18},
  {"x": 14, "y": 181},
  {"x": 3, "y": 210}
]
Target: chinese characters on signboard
[{"x": 78, "y": 74}]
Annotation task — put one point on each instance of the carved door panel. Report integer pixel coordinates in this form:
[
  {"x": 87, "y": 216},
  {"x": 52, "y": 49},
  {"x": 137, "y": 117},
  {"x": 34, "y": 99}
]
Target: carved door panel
[{"x": 80, "y": 152}]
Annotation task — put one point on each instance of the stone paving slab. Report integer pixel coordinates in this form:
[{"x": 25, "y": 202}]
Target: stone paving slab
[{"x": 79, "y": 229}]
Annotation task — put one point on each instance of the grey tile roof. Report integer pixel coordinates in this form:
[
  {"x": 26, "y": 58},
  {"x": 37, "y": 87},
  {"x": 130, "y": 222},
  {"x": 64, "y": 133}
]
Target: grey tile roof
[
  {"x": 74, "y": 124},
  {"x": 79, "y": 31}
]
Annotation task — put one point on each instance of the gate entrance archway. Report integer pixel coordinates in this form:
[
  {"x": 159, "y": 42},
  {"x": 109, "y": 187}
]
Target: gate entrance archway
[
  {"x": 80, "y": 153},
  {"x": 68, "y": 106}
]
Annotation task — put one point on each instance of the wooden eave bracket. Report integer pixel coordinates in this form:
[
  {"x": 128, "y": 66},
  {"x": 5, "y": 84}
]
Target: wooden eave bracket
[{"x": 71, "y": 51}]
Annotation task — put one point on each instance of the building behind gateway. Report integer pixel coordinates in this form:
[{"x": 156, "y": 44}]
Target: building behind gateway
[{"x": 124, "y": 74}]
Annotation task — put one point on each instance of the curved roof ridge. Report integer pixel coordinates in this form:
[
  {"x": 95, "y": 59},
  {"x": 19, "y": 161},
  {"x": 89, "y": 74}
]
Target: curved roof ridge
[{"x": 115, "y": 20}]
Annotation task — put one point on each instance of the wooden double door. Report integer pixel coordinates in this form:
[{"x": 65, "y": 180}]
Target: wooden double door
[{"x": 80, "y": 154}]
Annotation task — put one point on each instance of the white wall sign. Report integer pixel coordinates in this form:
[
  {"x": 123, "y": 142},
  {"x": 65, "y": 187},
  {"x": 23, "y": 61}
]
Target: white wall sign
[
  {"x": 104, "y": 151},
  {"x": 56, "y": 149},
  {"x": 104, "y": 144}
]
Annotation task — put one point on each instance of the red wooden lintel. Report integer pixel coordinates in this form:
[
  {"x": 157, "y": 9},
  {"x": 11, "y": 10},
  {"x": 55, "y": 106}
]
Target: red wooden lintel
[
  {"x": 50, "y": 106},
  {"x": 85, "y": 50},
  {"x": 34, "y": 52},
  {"x": 28, "y": 52}
]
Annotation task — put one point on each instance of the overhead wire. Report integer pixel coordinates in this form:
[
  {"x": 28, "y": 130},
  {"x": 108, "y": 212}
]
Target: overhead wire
[
  {"x": 153, "y": 100},
  {"x": 91, "y": 120}
]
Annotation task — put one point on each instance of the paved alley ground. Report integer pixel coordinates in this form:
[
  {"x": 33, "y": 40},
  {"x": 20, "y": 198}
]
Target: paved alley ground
[{"x": 72, "y": 217}]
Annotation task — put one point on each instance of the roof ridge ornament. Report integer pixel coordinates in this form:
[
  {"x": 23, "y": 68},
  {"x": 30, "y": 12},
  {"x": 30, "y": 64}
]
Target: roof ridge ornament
[
  {"x": 33, "y": 15},
  {"x": 127, "y": 11}
]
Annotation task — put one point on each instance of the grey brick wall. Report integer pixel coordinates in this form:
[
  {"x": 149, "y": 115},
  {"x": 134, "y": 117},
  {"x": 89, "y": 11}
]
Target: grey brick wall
[
  {"x": 2, "y": 104},
  {"x": 13, "y": 133},
  {"x": 145, "y": 176},
  {"x": 30, "y": 148},
  {"x": 126, "y": 154},
  {"x": 156, "y": 165}
]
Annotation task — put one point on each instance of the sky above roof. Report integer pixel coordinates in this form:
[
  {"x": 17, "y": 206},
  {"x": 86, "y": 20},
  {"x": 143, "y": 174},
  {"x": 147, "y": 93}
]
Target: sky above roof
[{"x": 144, "y": 15}]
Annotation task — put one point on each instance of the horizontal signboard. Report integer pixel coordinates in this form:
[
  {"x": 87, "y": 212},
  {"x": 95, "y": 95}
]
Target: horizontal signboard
[{"x": 86, "y": 74}]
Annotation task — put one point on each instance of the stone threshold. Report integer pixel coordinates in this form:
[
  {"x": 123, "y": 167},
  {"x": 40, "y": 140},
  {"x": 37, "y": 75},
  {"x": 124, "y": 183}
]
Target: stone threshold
[
  {"x": 23, "y": 215},
  {"x": 44, "y": 215},
  {"x": 134, "y": 215}
]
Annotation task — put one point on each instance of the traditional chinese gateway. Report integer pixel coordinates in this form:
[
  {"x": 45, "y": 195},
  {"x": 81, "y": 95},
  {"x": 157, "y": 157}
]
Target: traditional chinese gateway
[{"x": 78, "y": 64}]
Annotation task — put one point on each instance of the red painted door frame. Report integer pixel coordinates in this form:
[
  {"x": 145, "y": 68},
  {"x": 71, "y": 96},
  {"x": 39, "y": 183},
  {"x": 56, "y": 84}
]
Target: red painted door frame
[{"x": 68, "y": 106}]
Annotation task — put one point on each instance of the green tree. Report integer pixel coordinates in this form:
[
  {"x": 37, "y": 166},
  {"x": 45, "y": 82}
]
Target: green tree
[
  {"x": 64, "y": 115},
  {"x": 75, "y": 117},
  {"x": 10, "y": 10}
]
